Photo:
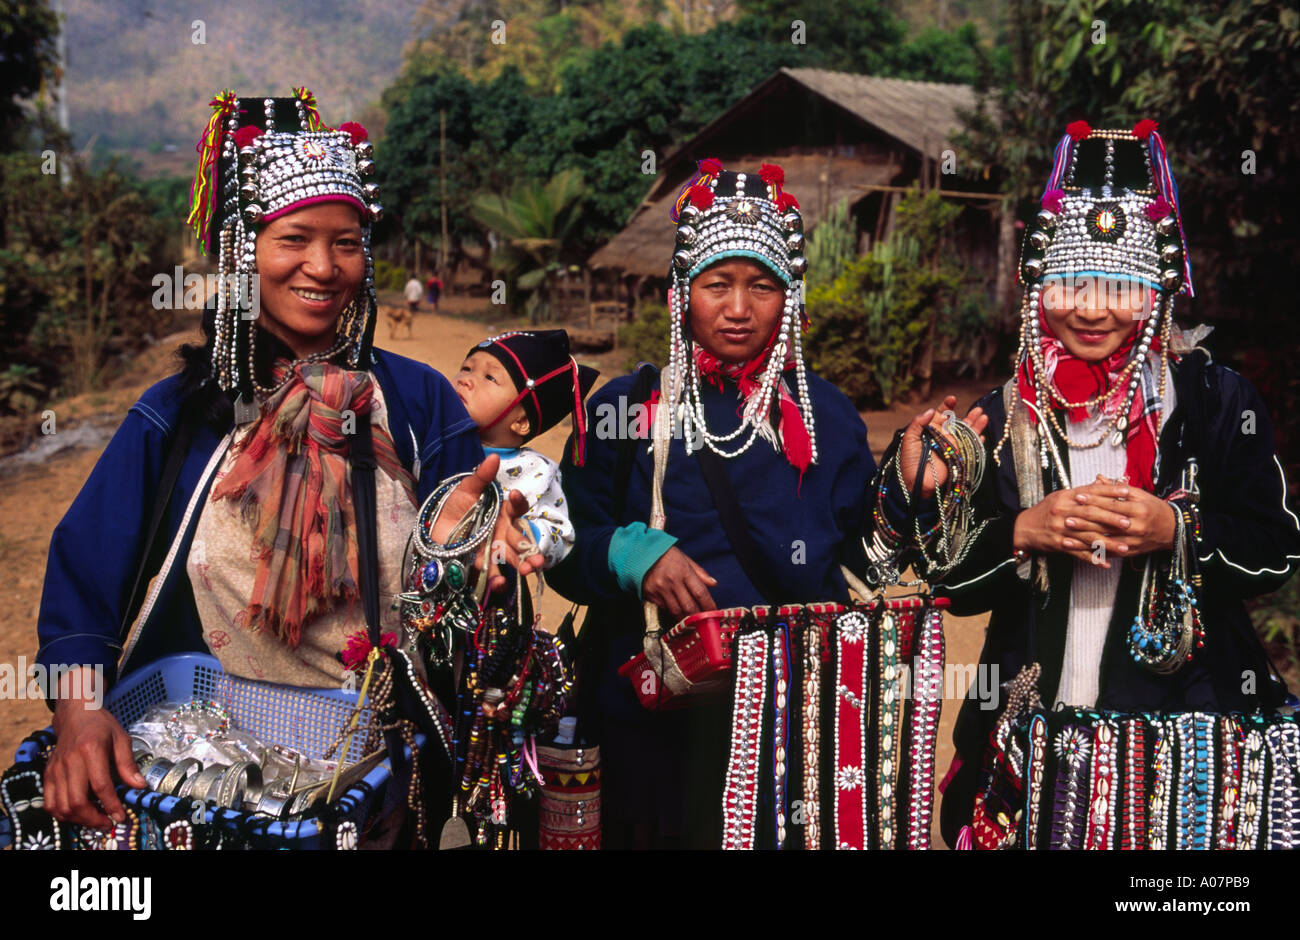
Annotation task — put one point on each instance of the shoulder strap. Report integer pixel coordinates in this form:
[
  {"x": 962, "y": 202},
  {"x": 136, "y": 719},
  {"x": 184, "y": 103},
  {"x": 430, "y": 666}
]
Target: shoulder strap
[
  {"x": 742, "y": 542},
  {"x": 645, "y": 377},
  {"x": 363, "y": 502},
  {"x": 154, "y": 548}
]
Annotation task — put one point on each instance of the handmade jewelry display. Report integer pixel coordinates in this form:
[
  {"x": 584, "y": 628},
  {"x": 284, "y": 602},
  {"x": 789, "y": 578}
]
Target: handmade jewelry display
[
  {"x": 821, "y": 688},
  {"x": 1187, "y": 781}
]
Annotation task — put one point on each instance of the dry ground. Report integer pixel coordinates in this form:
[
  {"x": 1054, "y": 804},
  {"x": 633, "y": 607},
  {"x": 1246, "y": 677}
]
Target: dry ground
[{"x": 33, "y": 497}]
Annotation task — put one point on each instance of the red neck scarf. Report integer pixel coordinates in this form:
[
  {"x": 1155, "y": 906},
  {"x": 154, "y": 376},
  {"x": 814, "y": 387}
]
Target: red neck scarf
[
  {"x": 795, "y": 440},
  {"x": 291, "y": 479},
  {"x": 1078, "y": 380}
]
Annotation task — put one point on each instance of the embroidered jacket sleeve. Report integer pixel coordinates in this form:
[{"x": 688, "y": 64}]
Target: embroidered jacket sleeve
[
  {"x": 95, "y": 549},
  {"x": 538, "y": 478},
  {"x": 605, "y": 555},
  {"x": 1250, "y": 536}
]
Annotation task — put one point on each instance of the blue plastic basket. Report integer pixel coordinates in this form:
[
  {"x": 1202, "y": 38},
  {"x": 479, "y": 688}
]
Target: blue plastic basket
[{"x": 307, "y": 720}]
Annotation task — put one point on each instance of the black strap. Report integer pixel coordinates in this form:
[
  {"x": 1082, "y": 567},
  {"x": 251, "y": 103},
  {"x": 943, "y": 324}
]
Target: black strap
[
  {"x": 363, "y": 503},
  {"x": 645, "y": 377},
  {"x": 742, "y": 542},
  {"x": 154, "y": 550}
]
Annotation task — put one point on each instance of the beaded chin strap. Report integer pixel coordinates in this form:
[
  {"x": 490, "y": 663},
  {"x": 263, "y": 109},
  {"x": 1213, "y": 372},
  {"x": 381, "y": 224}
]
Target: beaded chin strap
[{"x": 714, "y": 225}]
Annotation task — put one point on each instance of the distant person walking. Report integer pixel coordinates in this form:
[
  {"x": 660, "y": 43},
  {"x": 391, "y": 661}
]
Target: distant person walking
[
  {"x": 413, "y": 292},
  {"x": 434, "y": 287}
]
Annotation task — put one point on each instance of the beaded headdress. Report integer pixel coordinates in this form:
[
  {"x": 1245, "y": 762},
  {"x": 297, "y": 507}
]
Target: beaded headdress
[
  {"x": 1109, "y": 211},
  {"x": 722, "y": 214},
  {"x": 260, "y": 159}
]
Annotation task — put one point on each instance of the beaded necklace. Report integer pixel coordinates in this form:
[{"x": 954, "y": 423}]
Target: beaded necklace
[{"x": 1158, "y": 817}]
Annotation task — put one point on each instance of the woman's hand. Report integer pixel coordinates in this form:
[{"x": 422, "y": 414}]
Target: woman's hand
[
  {"x": 678, "y": 585},
  {"x": 91, "y": 750},
  {"x": 1094, "y": 521},
  {"x": 509, "y": 532},
  {"x": 1142, "y": 520},
  {"x": 912, "y": 448}
]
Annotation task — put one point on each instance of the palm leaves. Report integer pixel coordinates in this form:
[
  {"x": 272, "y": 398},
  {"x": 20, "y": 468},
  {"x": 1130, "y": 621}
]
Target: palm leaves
[{"x": 534, "y": 223}]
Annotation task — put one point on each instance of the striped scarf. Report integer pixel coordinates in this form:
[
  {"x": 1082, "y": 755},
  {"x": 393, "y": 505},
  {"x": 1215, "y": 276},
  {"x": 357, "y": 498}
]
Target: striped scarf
[{"x": 290, "y": 477}]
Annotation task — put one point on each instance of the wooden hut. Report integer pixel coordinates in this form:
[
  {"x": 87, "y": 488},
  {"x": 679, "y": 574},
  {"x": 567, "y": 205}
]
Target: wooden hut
[{"x": 839, "y": 136}]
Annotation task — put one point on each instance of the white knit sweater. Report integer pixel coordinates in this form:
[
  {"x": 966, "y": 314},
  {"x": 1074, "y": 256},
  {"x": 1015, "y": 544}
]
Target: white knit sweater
[{"x": 1092, "y": 589}]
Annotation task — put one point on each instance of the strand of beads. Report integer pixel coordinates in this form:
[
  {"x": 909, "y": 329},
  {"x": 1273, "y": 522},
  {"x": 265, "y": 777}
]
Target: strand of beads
[
  {"x": 1161, "y": 786},
  {"x": 739, "y": 810},
  {"x": 1133, "y": 831},
  {"x": 1252, "y": 790},
  {"x": 1230, "y": 734},
  {"x": 1283, "y": 742}
]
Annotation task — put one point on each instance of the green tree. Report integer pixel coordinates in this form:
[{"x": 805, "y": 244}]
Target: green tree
[
  {"x": 27, "y": 61},
  {"x": 535, "y": 222}
]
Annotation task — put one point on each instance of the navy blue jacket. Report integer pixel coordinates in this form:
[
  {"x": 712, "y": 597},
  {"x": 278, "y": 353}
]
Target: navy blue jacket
[
  {"x": 663, "y": 772},
  {"x": 96, "y": 549},
  {"x": 1251, "y": 545}
]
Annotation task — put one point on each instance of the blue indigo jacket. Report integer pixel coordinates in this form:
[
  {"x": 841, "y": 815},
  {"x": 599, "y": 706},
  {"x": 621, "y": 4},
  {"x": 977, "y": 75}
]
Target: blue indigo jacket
[{"x": 96, "y": 549}]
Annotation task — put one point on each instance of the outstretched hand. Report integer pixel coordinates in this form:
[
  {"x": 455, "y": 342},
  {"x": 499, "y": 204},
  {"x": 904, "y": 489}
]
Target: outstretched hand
[
  {"x": 911, "y": 451},
  {"x": 509, "y": 534}
]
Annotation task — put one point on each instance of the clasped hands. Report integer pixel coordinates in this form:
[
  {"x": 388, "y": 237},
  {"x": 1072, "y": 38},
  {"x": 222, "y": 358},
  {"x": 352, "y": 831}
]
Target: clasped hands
[{"x": 1092, "y": 522}]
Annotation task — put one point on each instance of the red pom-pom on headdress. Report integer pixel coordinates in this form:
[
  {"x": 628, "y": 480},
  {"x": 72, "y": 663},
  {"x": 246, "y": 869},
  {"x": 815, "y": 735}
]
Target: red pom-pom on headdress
[
  {"x": 1158, "y": 209},
  {"x": 701, "y": 197},
  {"x": 711, "y": 166},
  {"x": 1078, "y": 130},
  {"x": 772, "y": 174},
  {"x": 1144, "y": 128},
  {"x": 245, "y": 136},
  {"x": 786, "y": 201},
  {"x": 1052, "y": 199},
  {"x": 355, "y": 131}
]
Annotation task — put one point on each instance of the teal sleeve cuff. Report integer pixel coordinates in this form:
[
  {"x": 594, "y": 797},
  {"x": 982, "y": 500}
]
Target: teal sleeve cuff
[{"x": 633, "y": 550}]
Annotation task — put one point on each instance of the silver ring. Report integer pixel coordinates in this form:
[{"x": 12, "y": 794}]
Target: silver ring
[{"x": 205, "y": 783}]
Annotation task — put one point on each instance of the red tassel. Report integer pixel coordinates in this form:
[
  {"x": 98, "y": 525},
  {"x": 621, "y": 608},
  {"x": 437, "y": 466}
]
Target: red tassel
[
  {"x": 794, "y": 436},
  {"x": 1158, "y": 209},
  {"x": 701, "y": 197},
  {"x": 786, "y": 201},
  {"x": 772, "y": 174},
  {"x": 711, "y": 166},
  {"x": 1078, "y": 130},
  {"x": 1052, "y": 199},
  {"x": 1144, "y": 128},
  {"x": 246, "y": 135}
]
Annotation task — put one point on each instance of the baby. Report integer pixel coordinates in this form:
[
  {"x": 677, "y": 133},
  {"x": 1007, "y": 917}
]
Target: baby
[{"x": 515, "y": 387}]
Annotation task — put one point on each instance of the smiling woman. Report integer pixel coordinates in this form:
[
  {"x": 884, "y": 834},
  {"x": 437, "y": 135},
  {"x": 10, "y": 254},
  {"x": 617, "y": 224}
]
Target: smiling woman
[
  {"x": 243, "y": 462},
  {"x": 310, "y": 265}
]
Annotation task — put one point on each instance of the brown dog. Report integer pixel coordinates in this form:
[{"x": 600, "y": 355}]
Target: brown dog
[{"x": 398, "y": 317}]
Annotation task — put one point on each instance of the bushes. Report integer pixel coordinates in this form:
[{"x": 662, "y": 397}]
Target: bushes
[
  {"x": 868, "y": 324},
  {"x": 389, "y": 276},
  {"x": 646, "y": 338}
]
